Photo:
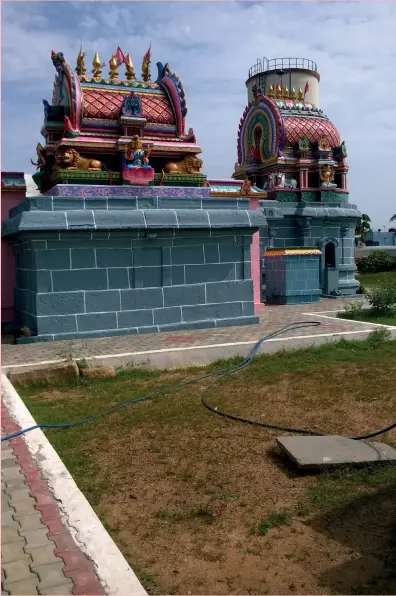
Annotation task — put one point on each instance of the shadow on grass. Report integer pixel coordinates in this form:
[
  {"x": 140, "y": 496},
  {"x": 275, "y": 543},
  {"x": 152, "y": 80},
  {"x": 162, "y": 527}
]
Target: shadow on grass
[{"x": 367, "y": 525}]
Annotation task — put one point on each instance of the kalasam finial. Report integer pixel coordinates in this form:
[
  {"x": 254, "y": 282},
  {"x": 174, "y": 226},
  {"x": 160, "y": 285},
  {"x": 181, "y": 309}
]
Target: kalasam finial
[
  {"x": 113, "y": 67},
  {"x": 129, "y": 72},
  {"x": 80, "y": 66},
  {"x": 96, "y": 71}
]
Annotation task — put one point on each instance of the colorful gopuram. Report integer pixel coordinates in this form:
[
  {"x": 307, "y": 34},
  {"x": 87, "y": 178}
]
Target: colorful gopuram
[
  {"x": 97, "y": 126},
  {"x": 125, "y": 236},
  {"x": 290, "y": 149}
]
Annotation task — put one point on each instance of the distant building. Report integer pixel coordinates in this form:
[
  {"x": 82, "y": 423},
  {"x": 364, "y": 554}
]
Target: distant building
[{"x": 380, "y": 238}]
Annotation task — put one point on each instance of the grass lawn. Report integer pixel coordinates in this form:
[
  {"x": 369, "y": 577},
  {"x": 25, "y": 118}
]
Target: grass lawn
[
  {"x": 203, "y": 505},
  {"x": 371, "y": 279},
  {"x": 368, "y": 316},
  {"x": 355, "y": 313}
]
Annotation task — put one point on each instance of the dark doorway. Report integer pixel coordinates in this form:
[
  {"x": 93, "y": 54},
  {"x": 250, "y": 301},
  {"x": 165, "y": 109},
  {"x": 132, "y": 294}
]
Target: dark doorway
[
  {"x": 257, "y": 136},
  {"x": 330, "y": 255}
]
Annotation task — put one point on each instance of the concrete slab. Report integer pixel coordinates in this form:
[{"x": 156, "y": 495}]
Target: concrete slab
[{"x": 310, "y": 453}]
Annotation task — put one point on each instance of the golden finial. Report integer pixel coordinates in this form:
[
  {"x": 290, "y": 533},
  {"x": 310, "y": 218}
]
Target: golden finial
[
  {"x": 146, "y": 76},
  {"x": 80, "y": 66},
  {"x": 293, "y": 93},
  {"x": 271, "y": 91},
  {"x": 286, "y": 93},
  {"x": 113, "y": 67},
  {"x": 129, "y": 72},
  {"x": 96, "y": 71},
  {"x": 300, "y": 94},
  {"x": 278, "y": 92}
]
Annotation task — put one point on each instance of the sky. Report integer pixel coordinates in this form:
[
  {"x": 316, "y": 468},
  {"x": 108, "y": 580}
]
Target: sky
[{"x": 211, "y": 46}]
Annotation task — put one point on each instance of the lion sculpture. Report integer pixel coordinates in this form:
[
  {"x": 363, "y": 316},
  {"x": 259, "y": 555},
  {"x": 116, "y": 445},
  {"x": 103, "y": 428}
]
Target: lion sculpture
[
  {"x": 70, "y": 159},
  {"x": 191, "y": 164}
]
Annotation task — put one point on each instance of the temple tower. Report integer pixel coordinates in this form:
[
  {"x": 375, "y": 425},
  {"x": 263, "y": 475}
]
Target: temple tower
[
  {"x": 292, "y": 151},
  {"x": 299, "y": 74}
]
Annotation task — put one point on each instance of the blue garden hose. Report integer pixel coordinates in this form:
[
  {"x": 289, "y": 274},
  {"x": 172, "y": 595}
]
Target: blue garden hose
[{"x": 221, "y": 374}]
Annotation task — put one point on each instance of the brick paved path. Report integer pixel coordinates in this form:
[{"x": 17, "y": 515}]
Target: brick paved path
[
  {"x": 38, "y": 553},
  {"x": 271, "y": 319}
]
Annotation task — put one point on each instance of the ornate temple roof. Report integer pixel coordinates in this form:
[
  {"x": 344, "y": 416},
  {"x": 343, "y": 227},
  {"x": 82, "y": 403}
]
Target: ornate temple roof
[
  {"x": 99, "y": 111},
  {"x": 270, "y": 125},
  {"x": 107, "y": 104},
  {"x": 313, "y": 129}
]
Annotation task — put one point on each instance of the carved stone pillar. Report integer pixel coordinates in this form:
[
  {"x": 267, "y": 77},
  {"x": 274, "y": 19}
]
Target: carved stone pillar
[
  {"x": 342, "y": 170},
  {"x": 344, "y": 232},
  {"x": 304, "y": 228},
  {"x": 303, "y": 167},
  {"x": 272, "y": 233}
]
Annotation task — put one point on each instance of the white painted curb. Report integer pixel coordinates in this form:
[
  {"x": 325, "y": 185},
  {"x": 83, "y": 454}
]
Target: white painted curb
[
  {"x": 111, "y": 567},
  {"x": 201, "y": 355}
]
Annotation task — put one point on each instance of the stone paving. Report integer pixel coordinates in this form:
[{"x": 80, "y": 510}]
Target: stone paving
[
  {"x": 38, "y": 552},
  {"x": 271, "y": 319}
]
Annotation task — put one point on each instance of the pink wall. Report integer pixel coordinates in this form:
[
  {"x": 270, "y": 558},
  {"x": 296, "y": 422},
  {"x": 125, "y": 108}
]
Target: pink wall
[
  {"x": 255, "y": 257},
  {"x": 9, "y": 198}
]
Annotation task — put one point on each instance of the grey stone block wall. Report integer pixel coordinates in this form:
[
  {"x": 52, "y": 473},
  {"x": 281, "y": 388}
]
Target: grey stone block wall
[
  {"x": 292, "y": 279},
  {"x": 90, "y": 284},
  {"x": 314, "y": 227}
]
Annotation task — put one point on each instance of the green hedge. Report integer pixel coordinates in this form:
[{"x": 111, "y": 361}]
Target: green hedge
[{"x": 377, "y": 262}]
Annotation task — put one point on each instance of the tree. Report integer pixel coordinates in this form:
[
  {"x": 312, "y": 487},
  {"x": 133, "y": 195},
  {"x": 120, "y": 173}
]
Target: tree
[
  {"x": 392, "y": 230},
  {"x": 393, "y": 218},
  {"x": 363, "y": 226}
]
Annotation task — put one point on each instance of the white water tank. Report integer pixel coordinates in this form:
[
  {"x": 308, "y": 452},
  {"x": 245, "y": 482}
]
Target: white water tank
[{"x": 299, "y": 73}]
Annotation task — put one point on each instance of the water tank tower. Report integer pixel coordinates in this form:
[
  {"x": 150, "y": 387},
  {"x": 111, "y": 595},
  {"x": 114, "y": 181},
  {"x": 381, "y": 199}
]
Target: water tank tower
[{"x": 299, "y": 74}]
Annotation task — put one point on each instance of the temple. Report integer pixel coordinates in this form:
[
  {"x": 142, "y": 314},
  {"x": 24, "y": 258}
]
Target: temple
[
  {"x": 127, "y": 235},
  {"x": 290, "y": 149},
  {"x": 124, "y": 236}
]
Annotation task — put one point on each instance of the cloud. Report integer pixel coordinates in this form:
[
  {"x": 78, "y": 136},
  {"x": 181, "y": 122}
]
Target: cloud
[{"x": 211, "y": 46}]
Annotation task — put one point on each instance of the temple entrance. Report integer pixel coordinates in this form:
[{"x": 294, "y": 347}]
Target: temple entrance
[
  {"x": 257, "y": 137},
  {"x": 329, "y": 269},
  {"x": 330, "y": 255}
]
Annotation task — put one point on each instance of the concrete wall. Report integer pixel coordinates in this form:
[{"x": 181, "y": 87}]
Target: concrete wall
[
  {"x": 367, "y": 250},
  {"x": 79, "y": 284}
]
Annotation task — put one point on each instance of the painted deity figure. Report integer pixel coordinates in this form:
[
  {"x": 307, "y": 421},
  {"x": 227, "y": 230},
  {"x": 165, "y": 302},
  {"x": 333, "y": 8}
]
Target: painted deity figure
[
  {"x": 283, "y": 182},
  {"x": 324, "y": 144},
  {"x": 326, "y": 176},
  {"x": 137, "y": 155},
  {"x": 246, "y": 187},
  {"x": 279, "y": 180}
]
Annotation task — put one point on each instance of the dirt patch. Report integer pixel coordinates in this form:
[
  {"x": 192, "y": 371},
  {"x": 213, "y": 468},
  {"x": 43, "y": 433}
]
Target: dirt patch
[{"x": 203, "y": 505}]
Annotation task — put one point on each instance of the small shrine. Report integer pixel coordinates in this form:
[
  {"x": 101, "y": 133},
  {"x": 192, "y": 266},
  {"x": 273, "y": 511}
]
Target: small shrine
[{"x": 115, "y": 130}]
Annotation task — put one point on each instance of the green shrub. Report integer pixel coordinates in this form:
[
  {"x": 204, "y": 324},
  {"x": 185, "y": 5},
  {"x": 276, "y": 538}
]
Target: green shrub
[
  {"x": 376, "y": 262},
  {"x": 382, "y": 297},
  {"x": 378, "y": 337},
  {"x": 352, "y": 310},
  {"x": 361, "y": 290}
]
